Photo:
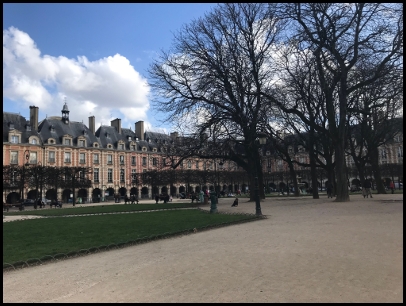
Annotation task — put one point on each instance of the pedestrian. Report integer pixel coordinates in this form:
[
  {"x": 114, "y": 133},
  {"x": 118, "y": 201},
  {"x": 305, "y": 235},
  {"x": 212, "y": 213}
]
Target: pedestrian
[
  {"x": 235, "y": 203},
  {"x": 392, "y": 187},
  {"x": 367, "y": 189},
  {"x": 156, "y": 199},
  {"x": 329, "y": 190}
]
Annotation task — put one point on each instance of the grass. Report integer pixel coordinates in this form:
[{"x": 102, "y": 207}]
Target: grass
[
  {"x": 98, "y": 209},
  {"x": 36, "y": 238}
]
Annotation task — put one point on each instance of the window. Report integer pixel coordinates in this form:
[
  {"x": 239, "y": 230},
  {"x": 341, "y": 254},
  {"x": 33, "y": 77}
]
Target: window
[
  {"x": 400, "y": 152},
  {"x": 383, "y": 153},
  {"x": 154, "y": 161},
  {"x": 121, "y": 159},
  {"x": 144, "y": 149},
  {"x": 133, "y": 176},
  {"x": 82, "y": 158},
  {"x": 164, "y": 161},
  {"x": 11, "y": 125},
  {"x": 67, "y": 157},
  {"x": 129, "y": 138},
  {"x": 121, "y": 175},
  {"x": 33, "y": 141},
  {"x": 110, "y": 175},
  {"x": 51, "y": 156},
  {"x": 67, "y": 142},
  {"x": 290, "y": 150},
  {"x": 33, "y": 157},
  {"x": 13, "y": 157},
  {"x": 269, "y": 163},
  {"x": 204, "y": 166},
  {"x": 81, "y": 143},
  {"x": 133, "y": 147},
  {"x": 95, "y": 158},
  {"x": 211, "y": 166},
  {"x": 300, "y": 149},
  {"x": 96, "y": 175},
  {"x": 144, "y": 161},
  {"x": 14, "y": 139},
  {"x": 189, "y": 164},
  {"x": 181, "y": 164},
  {"x": 109, "y": 159},
  {"x": 133, "y": 160},
  {"x": 121, "y": 146}
]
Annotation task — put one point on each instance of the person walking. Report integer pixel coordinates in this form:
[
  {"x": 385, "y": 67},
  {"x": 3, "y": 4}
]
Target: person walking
[
  {"x": 392, "y": 187},
  {"x": 367, "y": 189},
  {"x": 329, "y": 190}
]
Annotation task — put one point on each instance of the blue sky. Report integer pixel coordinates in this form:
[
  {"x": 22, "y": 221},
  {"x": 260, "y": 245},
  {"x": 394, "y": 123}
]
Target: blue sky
[{"x": 95, "y": 55}]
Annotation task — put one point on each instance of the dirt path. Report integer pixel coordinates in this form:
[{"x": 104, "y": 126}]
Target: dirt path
[{"x": 306, "y": 251}]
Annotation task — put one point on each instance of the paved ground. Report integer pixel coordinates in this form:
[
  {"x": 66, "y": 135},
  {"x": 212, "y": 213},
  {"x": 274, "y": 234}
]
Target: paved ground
[{"x": 305, "y": 251}]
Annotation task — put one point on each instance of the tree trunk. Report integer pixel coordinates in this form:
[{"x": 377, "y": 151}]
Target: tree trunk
[{"x": 294, "y": 179}]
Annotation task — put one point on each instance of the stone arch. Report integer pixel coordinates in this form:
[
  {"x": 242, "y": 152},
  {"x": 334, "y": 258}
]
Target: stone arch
[
  {"x": 66, "y": 195},
  {"x": 173, "y": 190},
  {"x": 122, "y": 191},
  {"x": 50, "y": 194},
  {"x": 144, "y": 192},
  {"x": 13, "y": 198},
  {"x": 32, "y": 194},
  {"x": 96, "y": 195},
  {"x": 134, "y": 190}
]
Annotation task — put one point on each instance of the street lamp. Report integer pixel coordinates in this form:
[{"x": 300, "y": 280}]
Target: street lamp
[
  {"x": 27, "y": 158},
  {"x": 262, "y": 140}
]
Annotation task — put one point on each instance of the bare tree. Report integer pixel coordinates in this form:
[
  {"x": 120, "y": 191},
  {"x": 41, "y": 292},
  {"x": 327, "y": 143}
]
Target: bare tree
[
  {"x": 341, "y": 36},
  {"x": 214, "y": 76}
]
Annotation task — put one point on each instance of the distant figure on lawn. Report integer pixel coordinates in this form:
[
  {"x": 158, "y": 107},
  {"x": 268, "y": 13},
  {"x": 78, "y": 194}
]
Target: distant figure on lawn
[
  {"x": 329, "y": 190},
  {"x": 235, "y": 203},
  {"x": 392, "y": 187},
  {"x": 367, "y": 189},
  {"x": 156, "y": 199}
]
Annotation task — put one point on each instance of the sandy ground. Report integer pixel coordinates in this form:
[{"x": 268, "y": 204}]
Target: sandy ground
[{"x": 305, "y": 251}]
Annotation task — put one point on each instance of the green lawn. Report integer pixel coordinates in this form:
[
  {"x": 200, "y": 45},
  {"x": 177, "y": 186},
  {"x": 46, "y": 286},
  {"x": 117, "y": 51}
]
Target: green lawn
[
  {"x": 97, "y": 209},
  {"x": 36, "y": 238}
]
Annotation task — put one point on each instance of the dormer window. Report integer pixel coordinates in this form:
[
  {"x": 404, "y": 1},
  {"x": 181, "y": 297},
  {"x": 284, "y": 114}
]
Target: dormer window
[
  {"x": 28, "y": 127},
  {"x": 154, "y": 150},
  {"x": 129, "y": 138},
  {"x": 144, "y": 149},
  {"x": 121, "y": 146},
  {"x": 52, "y": 128},
  {"x": 107, "y": 135},
  {"x": 33, "y": 141},
  {"x": 149, "y": 139},
  {"x": 84, "y": 133},
  {"x": 81, "y": 143},
  {"x": 11, "y": 125}
]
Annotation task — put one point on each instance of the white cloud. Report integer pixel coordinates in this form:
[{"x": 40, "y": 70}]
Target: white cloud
[{"x": 97, "y": 88}]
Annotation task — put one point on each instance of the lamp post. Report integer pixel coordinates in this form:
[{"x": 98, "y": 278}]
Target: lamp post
[
  {"x": 27, "y": 158},
  {"x": 262, "y": 140}
]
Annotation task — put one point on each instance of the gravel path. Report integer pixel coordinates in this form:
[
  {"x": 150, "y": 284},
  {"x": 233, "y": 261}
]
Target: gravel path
[{"x": 305, "y": 251}]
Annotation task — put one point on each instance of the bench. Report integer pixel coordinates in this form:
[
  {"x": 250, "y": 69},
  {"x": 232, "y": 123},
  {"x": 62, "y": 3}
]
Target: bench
[
  {"x": 56, "y": 204},
  {"x": 7, "y": 206}
]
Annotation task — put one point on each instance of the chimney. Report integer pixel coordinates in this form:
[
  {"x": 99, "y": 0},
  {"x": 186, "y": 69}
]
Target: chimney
[
  {"x": 139, "y": 130},
  {"x": 117, "y": 124},
  {"x": 92, "y": 125},
  {"x": 34, "y": 118},
  {"x": 174, "y": 135}
]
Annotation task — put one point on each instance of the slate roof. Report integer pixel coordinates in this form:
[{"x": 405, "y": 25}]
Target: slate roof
[
  {"x": 73, "y": 128},
  {"x": 20, "y": 124}
]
